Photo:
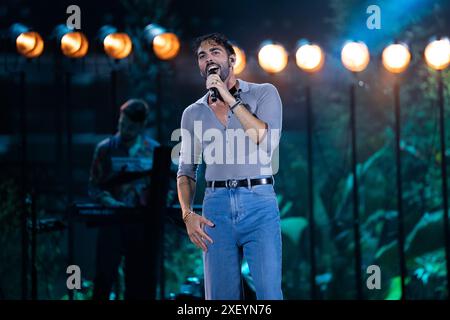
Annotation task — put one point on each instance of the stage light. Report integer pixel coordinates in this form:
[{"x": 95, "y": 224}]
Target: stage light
[
  {"x": 396, "y": 57},
  {"x": 28, "y": 43},
  {"x": 74, "y": 44},
  {"x": 166, "y": 45},
  {"x": 437, "y": 54},
  {"x": 309, "y": 57},
  {"x": 355, "y": 56},
  {"x": 117, "y": 45},
  {"x": 272, "y": 57},
  {"x": 241, "y": 60}
]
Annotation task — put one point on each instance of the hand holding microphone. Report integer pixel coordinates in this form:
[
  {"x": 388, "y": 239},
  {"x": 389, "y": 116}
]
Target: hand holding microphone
[
  {"x": 217, "y": 88},
  {"x": 214, "y": 92}
]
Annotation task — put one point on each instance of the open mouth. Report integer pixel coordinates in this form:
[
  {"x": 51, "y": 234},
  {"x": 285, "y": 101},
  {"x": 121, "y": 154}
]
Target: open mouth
[{"x": 212, "y": 68}]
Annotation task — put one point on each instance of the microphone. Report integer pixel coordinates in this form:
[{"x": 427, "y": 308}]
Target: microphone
[{"x": 214, "y": 93}]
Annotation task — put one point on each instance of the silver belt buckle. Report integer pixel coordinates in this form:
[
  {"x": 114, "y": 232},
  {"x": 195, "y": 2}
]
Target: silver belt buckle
[{"x": 232, "y": 183}]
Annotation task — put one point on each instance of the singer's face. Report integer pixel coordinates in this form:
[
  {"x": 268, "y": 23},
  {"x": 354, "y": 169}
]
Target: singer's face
[{"x": 210, "y": 53}]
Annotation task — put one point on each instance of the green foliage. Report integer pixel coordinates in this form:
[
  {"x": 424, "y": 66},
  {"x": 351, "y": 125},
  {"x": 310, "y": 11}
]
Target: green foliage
[
  {"x": 293, "y": 227},
  {"x": 395, "y": 290},
  {"x": 50, "y": 258},
  {"x": 10, "y": 239},
  {"x": 182, "y": 260}
]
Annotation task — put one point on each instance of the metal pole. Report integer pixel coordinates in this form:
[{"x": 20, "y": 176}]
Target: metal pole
[
  {"x": 444, "y": 177},
  {"x": 356, "y": 232},
  {"x": 23, "y": 195},
  {"x": 312, "y": 240},
  {"x": 34, "y": 280},
  {"x": 114, "y": 112},
  {"x": 401, "y": 246},
  {"x": 158, "y": 105},
  {"x": 59, "y": 122},
  {"x": 69, "y": 168},
  {"x": 69, "y": 135},
  {"x": 162, "y": 273}
]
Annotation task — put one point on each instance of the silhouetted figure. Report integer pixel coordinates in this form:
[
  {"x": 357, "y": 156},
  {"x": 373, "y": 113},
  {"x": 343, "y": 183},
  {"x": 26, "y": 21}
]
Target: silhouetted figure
[{"x": 128, "y": 151}]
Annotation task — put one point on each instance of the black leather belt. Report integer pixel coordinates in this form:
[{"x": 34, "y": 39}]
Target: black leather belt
[{"x": 233, "y": 183}]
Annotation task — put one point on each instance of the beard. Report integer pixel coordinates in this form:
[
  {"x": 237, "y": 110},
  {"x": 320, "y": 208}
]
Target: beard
[{"x": 224, "y": 70}]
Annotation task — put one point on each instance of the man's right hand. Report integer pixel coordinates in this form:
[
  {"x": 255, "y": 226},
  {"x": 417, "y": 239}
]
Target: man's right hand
[{"x": 194, "y": 226}]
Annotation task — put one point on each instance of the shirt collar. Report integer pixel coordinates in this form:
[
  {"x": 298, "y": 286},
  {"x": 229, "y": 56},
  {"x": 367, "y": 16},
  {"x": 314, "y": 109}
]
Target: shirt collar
[{"x": 243, "y": 85}]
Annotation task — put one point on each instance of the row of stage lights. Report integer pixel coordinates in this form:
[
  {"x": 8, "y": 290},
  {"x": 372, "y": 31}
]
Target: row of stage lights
[
  {"x": 74, "y": 44},
  {"x": 355, "y": 56},
  {"x": 272, "y": 57}
]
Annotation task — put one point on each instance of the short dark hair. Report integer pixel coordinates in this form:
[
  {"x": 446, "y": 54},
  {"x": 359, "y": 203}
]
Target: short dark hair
[
  {"x": 218, "y": 38},
  {"x": 135, "y": 109}
]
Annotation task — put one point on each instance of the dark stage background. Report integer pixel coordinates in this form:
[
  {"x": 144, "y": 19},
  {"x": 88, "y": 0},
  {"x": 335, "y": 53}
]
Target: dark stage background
[{"x": 94, "y": 87}]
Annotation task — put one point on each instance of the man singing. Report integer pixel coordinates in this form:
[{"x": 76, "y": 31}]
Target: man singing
[{"x": 236, "y": 127}]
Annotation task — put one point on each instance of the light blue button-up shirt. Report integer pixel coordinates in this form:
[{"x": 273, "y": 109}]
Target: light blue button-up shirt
[{"x": 228, "y": 152}]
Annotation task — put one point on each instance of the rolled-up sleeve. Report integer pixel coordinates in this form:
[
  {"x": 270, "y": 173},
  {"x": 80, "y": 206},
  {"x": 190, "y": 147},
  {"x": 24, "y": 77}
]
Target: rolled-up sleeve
[
  {"x": 190, "y": 151},
  {"x": 269, "y": 110}
]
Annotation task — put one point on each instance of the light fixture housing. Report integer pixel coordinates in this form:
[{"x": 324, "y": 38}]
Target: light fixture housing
[
  {"x": 437, "y": 54},
  {"x": 73, "y": 44},
  {"x": 165, "y": 45},
  {"x": 309, "y": 57},
  {"x": 272, "y": 57},
  {"x": 28, "y": 43},
  {"x": 396, "y": 57},
  {"x": 355, "y": 56},
  {"x": 117, "y": 45}
]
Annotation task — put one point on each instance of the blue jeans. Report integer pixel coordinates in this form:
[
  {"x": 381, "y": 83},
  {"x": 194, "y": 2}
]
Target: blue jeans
[{"x": 247, "y": 222}]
